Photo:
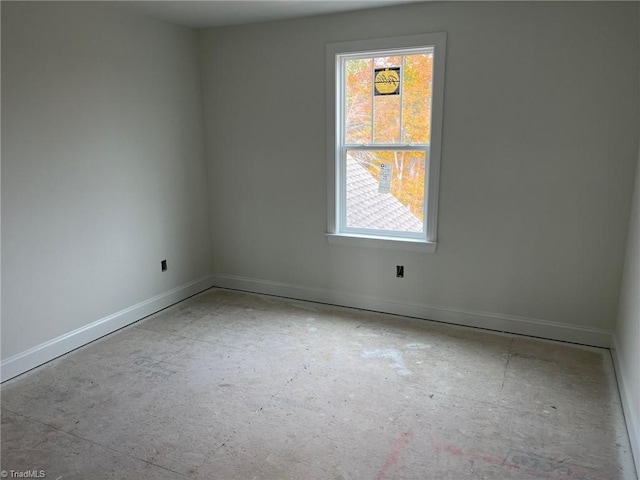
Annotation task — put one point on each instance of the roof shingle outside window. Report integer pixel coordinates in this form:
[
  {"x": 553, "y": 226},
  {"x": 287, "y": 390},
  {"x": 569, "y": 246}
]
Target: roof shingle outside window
[{"x": 366, "y": 208}]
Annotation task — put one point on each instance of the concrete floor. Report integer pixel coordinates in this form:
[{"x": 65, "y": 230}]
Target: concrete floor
[{"x": 232, "y": 386}]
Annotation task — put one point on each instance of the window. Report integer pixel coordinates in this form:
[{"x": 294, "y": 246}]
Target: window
[{"x": 385, "y": 124}]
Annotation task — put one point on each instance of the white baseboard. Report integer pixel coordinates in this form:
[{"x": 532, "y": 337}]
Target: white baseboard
[
  {"x": 492, "y": 321},
  {"x": 628, "y": 404},
  {"x": 40, "y": 354}
]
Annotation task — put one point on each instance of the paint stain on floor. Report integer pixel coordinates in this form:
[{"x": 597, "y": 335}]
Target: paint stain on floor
[{"x": 392, "y": 354}]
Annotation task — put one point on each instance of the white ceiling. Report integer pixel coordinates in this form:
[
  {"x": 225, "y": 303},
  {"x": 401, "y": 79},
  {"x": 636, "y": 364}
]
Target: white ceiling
[{"x": 212, "y": 13}]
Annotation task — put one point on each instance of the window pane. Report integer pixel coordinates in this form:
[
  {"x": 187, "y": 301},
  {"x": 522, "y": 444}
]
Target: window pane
[
  {"x": 385, "y": 190},
  {"x": 386, "y": 108},
  {"x": 386, "y": 119},
  {"x": 358, "y": 104},
  {"x": 416, "y": 98},
  {"x": 394, "y": 61}
]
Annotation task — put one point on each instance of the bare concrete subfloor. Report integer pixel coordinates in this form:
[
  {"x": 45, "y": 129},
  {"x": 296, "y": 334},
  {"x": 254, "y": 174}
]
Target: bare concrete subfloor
[{"x": 237, "y": 386}]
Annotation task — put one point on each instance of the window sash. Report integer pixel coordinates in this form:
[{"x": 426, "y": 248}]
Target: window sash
[
  {"x": 342, "y": 193},
  {"x": 341, "y": 61}
]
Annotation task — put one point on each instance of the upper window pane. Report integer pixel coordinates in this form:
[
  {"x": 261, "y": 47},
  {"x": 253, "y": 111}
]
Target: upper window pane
[
  {"x": 416, "y": 98},
  {"x": 388, "y": 99},
  {"x": 387, "y": 89},
  {"x": 358, "y": 104}
]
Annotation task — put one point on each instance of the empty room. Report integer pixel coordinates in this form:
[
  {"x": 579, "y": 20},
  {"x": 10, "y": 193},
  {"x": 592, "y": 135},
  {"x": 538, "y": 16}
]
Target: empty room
[{"x": 347, "y": 240}]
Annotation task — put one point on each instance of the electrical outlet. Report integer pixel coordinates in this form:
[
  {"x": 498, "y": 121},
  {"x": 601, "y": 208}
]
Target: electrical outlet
[
  {"x": 400, "y": 271},
  {"x": 163, "y": 264}
]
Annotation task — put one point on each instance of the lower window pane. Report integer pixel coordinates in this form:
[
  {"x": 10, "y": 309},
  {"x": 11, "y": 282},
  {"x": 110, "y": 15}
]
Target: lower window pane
[{"x": 385, "y": 190}]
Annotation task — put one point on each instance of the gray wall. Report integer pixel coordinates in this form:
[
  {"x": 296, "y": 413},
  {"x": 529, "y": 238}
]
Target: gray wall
[
  {"x": 103, "y": 173},
  {"x": 627, "y": 335},
  {"x": 539, "y": 148}
]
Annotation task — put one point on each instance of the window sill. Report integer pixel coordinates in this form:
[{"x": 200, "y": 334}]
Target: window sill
[{"x": 409, "y": 245}]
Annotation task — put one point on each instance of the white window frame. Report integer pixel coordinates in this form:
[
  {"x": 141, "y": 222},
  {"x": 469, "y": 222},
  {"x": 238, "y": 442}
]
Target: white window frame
[{"x": 425, "y": 242}]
